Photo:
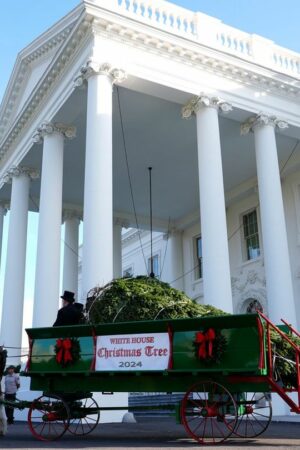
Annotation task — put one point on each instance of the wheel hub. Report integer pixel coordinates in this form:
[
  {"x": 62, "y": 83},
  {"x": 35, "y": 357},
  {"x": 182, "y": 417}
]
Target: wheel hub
[
  {"x": 209, "y": 411},
  {"x": 49, "y": 417},
  {"x": 249, "y": 409}
]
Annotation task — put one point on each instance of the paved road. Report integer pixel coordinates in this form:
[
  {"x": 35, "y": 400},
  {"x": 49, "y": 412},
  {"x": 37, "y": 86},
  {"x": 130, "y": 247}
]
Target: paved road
[{"x": 163, "y": 434}]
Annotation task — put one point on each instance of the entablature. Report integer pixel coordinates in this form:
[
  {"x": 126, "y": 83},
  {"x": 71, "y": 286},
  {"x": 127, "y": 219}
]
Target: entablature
[{"x": 172, "y": 33}]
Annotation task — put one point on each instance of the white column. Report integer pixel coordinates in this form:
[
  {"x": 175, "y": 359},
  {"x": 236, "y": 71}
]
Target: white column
[
  {"x": 71, "y": 245},
  {"x": 46, "y": 295},
  {"x": 97, "y": 255},
  {"x": 117, "y": 246},
  {"x": 3, "y": 211},
  {"x": 216, "y": 269},
  {"x": 280, "y": 295},
  {"x": 13, "y": 294},
  {"x": 172, "y": 271}
]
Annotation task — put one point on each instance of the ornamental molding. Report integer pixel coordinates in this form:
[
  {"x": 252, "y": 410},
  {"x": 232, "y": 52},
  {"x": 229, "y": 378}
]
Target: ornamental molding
[
  {"x": 22, "y": 72},
  {"x": 135, "y": 234},
  {"x": 202, "y": 101},
  {"x": 250, "y": 278},
  {"x": 248, "y": 285},
  {"x": 139, "y": 35},
  {"x": 77, "y": 37},
  {"x": 261, "y": 120},
  {"x": 175, "y": 47},
  {"x": 247, "y": 298},
  {"x": 16, "y": 171},
  {"x": 48, "y": 128},
  {"x": 93, "y": 67}
]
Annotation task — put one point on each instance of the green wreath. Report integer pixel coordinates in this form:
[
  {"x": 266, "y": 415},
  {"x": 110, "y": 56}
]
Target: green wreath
[
  {"x": 67, "y": 351},
  {"x": 210, "y": 346}
]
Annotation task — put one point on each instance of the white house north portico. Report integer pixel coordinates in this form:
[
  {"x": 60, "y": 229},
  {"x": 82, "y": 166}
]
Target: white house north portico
[{"x": 100, "y": 97}]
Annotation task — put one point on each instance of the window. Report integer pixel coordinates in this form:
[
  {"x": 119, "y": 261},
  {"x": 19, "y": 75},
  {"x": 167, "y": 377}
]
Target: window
[
  {"x": 251, "y": 238},
  {"x": 155, "y": 265},
  {"x": 128, "y": 272},
  {"x": 198, "y": 258}
]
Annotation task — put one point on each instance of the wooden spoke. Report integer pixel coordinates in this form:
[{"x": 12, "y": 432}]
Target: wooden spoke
[
  {"x": 85, "y": 416},
  {"x": 208, "y": 412},
  {"x": 48, "y": 417},
  {"x": 254, "y": 414}
]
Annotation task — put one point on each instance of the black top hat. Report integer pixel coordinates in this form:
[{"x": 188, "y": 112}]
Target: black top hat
[{"x": 68, "y": 296}]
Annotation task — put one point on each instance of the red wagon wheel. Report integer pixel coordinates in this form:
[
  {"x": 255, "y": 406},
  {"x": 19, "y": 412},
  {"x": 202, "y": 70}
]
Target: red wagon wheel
[
  {"x": 85, "y": 416},
  {"x": 48, "y": 417},
  {"x": 254, "y": 414},
  {"x": 208, "y": 412}
]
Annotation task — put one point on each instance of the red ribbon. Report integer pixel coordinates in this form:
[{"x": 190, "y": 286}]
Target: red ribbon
[
  {"x": 205, "y": 341},
  {"x": 64, "y": 355}
]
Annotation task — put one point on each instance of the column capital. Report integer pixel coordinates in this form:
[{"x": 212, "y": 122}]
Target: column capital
[
  {"x": 69, "y": 214},
  {"x": 93, "y": 67},
  {"x": 201, "y": 101},
  {"x": 261, "y": 120},
  {"x": 16, "y": 171},
  {"x": 5, "y": 206},
  {"x": 47, "y": 128},
  {"x": 121, "y": 222}
]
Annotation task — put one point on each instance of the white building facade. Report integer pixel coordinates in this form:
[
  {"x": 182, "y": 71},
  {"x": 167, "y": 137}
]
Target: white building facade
[{"x": 117, "y": 86}]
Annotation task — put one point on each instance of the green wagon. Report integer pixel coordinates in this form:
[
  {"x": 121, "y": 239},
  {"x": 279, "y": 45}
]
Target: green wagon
[{"x": 222, "y": 366}]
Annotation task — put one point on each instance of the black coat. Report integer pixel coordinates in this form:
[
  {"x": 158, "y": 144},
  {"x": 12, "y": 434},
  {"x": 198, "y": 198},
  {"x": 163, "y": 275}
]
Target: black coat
[{"x": 69, "y": 315}]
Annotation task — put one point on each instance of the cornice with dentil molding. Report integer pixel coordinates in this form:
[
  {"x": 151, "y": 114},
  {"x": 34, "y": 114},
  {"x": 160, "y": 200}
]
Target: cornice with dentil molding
[
  {"x": 261, "y": 120},
  {"x": 212, "y": 62},
  {"x": 202, "y": 101},
  {"x": 47, "y": 128},
  {"x": 179, "y": 51},
  {"x": 93, "y": 67},
  {"x": 16, "y": 171}
]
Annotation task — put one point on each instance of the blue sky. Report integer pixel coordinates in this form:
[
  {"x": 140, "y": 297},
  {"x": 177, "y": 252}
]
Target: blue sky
[{"x": 21, "y": 21}]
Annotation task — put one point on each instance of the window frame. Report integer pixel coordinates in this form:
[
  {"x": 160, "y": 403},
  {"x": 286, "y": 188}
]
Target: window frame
[
  {"x": 198, "y": 262},
  {"x": 246, "y": 255}
]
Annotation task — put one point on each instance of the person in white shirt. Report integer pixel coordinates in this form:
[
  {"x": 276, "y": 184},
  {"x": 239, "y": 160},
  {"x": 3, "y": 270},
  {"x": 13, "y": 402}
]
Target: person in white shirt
[{"x": 11, "y": 385}]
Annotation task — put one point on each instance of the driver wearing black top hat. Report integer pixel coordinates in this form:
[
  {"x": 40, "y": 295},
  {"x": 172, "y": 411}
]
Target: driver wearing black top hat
[{"x": 70, "y": 313}]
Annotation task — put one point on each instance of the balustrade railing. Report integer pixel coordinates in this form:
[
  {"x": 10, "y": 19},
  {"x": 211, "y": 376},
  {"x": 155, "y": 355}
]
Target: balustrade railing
[
  {"x": 207, "y": 30},
  {"x": 161, "y": 14},
  {"x": 286, "y": 60}
]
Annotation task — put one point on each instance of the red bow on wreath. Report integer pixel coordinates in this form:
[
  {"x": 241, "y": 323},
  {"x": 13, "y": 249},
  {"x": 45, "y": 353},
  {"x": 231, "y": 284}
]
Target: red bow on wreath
[
  {"x": 205, "y": 341},
  {"x": 64, "y": 355}
]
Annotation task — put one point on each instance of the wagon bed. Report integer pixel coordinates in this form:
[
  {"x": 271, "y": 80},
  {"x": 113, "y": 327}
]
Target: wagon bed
[{"x": 221, "y": 365}]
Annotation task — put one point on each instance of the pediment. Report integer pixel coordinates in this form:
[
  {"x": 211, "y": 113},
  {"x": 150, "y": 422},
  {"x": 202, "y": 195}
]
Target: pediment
[
  {"x": 32, "y": 76},
  {"x": 30, "y": 66}
]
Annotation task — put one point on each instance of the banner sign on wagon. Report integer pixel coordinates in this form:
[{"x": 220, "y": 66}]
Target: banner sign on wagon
[{"x": 148, "y": 351}]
